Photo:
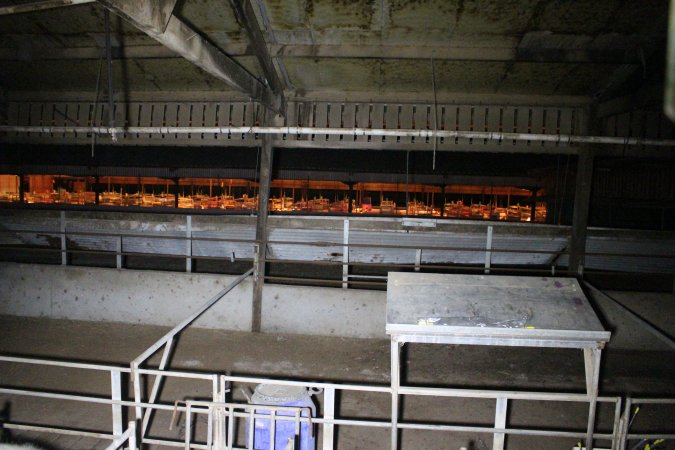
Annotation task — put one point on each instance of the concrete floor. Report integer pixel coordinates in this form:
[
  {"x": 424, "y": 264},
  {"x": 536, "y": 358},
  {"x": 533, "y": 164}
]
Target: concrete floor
[{"x": 321, "y": 358}]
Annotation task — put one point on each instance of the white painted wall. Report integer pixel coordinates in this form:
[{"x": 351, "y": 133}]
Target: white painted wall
[{"x": 166, "y": 298}]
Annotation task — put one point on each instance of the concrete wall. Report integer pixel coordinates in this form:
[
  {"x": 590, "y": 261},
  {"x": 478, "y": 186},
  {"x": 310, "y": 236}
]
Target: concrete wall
[
  {"x": 165, "y": 298},
  {"x": 628, "y": 332}
]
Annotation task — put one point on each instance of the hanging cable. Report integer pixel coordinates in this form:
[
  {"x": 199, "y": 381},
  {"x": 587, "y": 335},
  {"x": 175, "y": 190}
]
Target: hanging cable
[
  {"x": 108, "y": 53},
  {"x": 98, "y": 91},
  {"x": 433, "y": 87}
]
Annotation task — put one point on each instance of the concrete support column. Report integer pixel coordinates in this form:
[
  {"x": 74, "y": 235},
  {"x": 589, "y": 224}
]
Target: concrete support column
[
  {"x": 582, "y": 201},
  {"x": 265, "y": 180}
]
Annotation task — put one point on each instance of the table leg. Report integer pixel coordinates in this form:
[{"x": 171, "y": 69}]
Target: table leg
[
  {"x": 592, "y": 363},
  {"x": 395, "y": 383}
]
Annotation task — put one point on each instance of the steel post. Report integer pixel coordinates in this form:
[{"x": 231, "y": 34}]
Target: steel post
[{"x": 329, "y": 415}]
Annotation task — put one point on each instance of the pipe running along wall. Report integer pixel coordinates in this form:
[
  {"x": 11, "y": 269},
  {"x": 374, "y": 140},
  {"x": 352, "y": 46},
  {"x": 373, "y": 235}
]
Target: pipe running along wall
[{"x": 489, "y": 135}]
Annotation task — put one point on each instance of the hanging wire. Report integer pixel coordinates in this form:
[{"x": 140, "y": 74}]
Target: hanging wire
[
  {"x": 108, "y": 52},
  {"x": 98, "y": 90},
  {"x": 433, "y": 87}
]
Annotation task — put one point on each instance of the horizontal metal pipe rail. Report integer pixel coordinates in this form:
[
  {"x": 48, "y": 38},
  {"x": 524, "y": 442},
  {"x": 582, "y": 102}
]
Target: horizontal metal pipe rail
[
  {"x": 332, "y": 387},
  {"x": 421, "y": 133},
  {"x": 317, "y": 420},
  {"x": 626, "y": 421},
  {"x": 320, "y": 244},
  {"x": 114, "y": 437},
  {"x": 311, "y": 244},
  {"x": 338, "y": 260}
]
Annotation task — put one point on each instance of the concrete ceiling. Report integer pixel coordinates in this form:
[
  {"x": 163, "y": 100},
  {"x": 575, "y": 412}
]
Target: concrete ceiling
[{"x": 358, "y": 49}]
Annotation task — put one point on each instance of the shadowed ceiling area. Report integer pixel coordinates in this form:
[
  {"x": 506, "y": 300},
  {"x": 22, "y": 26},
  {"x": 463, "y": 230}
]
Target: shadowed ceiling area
[{"x": 356, "y": 49}]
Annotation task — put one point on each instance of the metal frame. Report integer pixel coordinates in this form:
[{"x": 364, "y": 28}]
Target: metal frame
[
  {"x": 222, "y": 414},
  {"x": 310, "y": 115},
  {"x": 558, "y": 139},
  {"x": 225, "y": 414},
  {"x": 462, "y": 244},
  {"x": 624, "y": 426},
  {"x": 156, "y": 19},
  {"x": 590, "y": 340},
  {"x": 396, "y": 125},
  {"x": 40, "y": 6},
  {"x": 166, "y": 342},
  {"x": 327, "y": 420}
]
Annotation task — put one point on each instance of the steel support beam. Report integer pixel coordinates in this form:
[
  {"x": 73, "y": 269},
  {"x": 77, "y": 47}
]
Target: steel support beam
[
  {"x": 582, "y": 201},
  {"x": 151, "y": 16},
  {"x": 265, "y": 180},
  {"x": 40, "y": 6},
  {"x": 246, "y": 15},
  {"x": 84, "y": 53},
  {"x": 188, "y": 43}
]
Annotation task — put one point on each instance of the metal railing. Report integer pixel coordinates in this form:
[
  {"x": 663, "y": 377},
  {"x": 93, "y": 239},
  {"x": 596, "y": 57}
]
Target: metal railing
[
  {"x": 472, "y": 247},
  {"x": 327, "y": 420},
  {"x": 629, "y": 415},
  {"x": 222, "y": 414}
]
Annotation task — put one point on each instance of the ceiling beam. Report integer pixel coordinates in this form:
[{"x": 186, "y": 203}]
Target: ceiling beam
[
  {"x": 487, "y": 54},
  {"x": 246, "y": 15},
  {"x": 84, "y": 53},
  {"x": 179, "y": 37},
  {"x": 323, "y": 95},
  {"x": 40, "y": 6},
  {"x": 491, "y": 54},
  {"x": 150, "y": 16}
]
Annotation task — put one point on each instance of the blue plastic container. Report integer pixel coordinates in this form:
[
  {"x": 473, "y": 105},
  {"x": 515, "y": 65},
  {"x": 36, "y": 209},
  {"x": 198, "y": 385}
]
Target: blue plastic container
[{"x": 277, "y": 395}]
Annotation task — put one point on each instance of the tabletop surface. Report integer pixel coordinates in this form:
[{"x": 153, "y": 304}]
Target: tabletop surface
[{"x": 490, "y": 306}]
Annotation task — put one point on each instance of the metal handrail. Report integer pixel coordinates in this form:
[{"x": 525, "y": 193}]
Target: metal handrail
[
  {"x": 179, "y": 236},
  {"x": 326, "y": 386},
  {"x": 626, "y": 421}
]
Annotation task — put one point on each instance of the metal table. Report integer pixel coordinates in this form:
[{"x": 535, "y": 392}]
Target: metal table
[{"x": 492, "y": 310}]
